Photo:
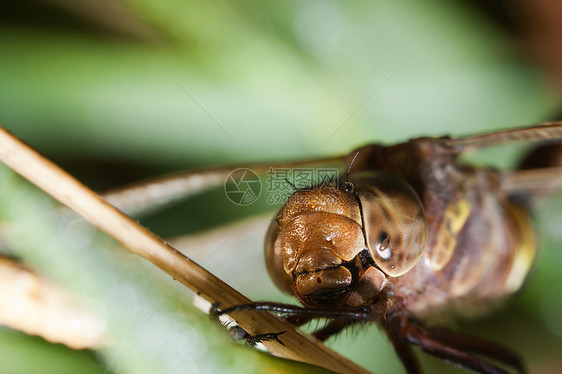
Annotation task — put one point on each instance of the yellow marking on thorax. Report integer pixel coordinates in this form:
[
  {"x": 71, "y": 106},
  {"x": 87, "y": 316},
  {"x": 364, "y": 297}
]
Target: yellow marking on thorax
[
  {"x": 524, "y": 255},
  {"x": 453, "y": 221}
]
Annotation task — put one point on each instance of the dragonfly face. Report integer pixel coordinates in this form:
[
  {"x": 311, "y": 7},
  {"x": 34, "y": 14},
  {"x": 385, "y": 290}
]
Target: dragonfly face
[{"x": 339, "y": 244}]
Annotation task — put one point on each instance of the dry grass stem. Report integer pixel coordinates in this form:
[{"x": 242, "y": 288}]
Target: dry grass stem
[{"x": 137, "y": 239}]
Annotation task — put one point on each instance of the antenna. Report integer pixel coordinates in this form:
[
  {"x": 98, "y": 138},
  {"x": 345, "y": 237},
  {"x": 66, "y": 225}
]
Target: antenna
[
  {"x": 350, "y": 166},
  {"x": 291, "y": 184}
]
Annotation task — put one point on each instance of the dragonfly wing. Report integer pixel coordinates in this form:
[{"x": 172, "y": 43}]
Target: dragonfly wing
[
  {"x": 543, "y": 131},
  {"x": 534, "y": 181},
  {"x": 152, "y": 194}
]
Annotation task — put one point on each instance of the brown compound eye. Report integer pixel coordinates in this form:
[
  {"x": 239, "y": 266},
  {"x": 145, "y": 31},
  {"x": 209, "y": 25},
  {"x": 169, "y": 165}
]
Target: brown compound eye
[{"x": 394, "y": 221}]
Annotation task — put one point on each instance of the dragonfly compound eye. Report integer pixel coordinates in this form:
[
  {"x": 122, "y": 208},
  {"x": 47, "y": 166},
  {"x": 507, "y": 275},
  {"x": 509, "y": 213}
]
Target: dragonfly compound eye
[{"x": 393, "y": 219}]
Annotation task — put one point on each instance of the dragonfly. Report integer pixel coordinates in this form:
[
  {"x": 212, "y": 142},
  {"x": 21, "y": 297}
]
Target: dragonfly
[
  {"x": 409, "y": 235},
  {"x": 412, "y": 234}
]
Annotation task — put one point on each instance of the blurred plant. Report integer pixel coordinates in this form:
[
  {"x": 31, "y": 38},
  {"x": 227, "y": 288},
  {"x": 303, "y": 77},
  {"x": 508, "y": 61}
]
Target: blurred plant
[{"x": 116, "y": 91}]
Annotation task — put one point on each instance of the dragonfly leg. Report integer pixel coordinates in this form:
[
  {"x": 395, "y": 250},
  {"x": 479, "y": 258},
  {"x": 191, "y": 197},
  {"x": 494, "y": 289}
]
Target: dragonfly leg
[
  {"x": 404, "y": 350},
  {"x": 442, "y": 345},
  {"x": 479, "y": 346},
  {"x": 332, "y": 328},
  {"x": 360, "y": 315},
  {"x": 253, "y": 340},
  {"x": 298, "y": 320},
  {"x": 238, "y": 333},
  {"x": 299, "y": 316}
]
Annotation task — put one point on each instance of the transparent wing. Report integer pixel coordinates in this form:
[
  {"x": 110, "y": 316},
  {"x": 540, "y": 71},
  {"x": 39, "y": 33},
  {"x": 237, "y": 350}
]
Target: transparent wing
[
  {"x": 152, "y": 194},
  {"x": 536, "y": 181},
  {"x": 543, "y": 131}
]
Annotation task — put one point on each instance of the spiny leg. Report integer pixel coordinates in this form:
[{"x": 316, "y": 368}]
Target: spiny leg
[
  {"x": 238, "y": 333},
  {"x": 288, "y": 309},
  {"x": 332, "y": 328},
  {"x": 453, "y": 355},
  {"x": 299, "y": 316},
  {"x": 438, "y": 344},
  {"x": 298, "y": 320},
  {"x": 254, "y": 340},
  {"x": 404, "y": 350},
  {"x": 477, "y": 345}
]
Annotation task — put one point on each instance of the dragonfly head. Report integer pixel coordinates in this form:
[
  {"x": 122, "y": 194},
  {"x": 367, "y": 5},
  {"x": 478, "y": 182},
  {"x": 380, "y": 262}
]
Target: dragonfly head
[{"x": 320, "y": 249}]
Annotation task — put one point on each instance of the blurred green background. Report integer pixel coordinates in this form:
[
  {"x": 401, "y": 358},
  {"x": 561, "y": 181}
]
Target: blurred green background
[{"x": 115, "y": 91}]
